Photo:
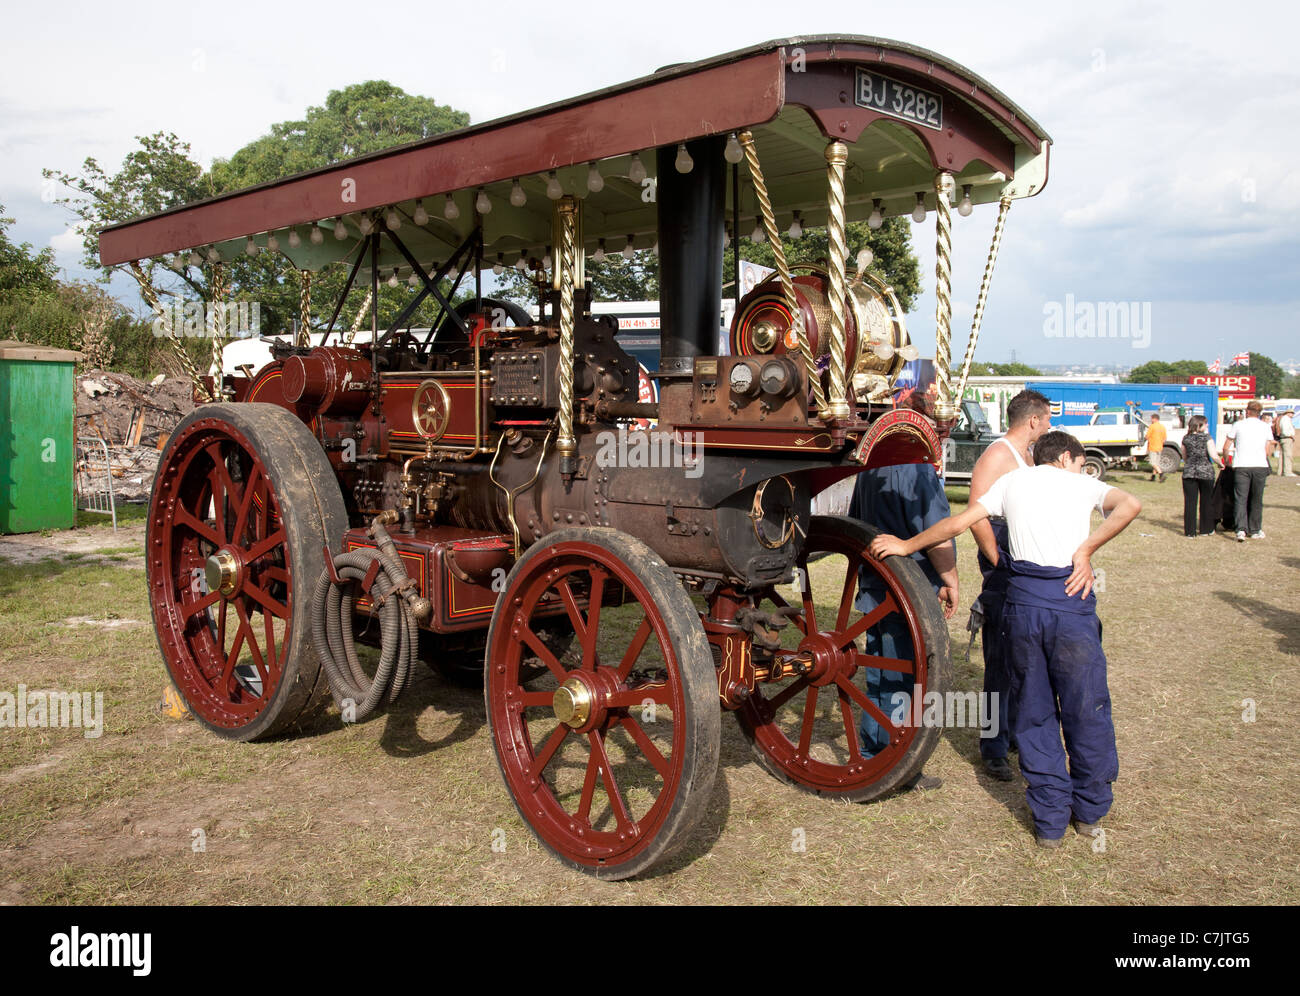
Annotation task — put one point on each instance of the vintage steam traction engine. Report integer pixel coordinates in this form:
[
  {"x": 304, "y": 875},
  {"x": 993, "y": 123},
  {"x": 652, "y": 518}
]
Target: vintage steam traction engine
[{"x": 458, "y": 484}]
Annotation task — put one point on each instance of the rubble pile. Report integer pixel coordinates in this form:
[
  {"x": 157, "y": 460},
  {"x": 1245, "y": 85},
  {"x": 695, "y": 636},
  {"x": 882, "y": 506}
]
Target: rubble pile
[{"x": 134, "y": 418}]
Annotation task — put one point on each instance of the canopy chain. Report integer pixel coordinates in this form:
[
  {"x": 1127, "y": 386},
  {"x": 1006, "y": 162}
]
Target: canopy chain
[
  {"x": 178, "y": 346},
  {"x": 782, "y": 266},
  {"x": 1004, "y": 206},
  {"x": 944, "y": 409}
]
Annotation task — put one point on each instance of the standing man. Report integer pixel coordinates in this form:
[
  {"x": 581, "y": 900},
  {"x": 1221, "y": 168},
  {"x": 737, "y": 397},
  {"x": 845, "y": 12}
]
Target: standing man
[
  {"x": 1249, "y": 443},
  {"x": 1058, "y": 670},
  {"x": 1156, "y": 436},
  {"x": 1284, "y": 433},
  {"x": 902, "y": 499},
  {"x": 1028, "y": 417}
]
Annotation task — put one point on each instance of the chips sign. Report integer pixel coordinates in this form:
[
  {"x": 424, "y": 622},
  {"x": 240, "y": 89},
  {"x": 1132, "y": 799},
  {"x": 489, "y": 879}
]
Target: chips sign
[{"x": 1230, "y": 386}]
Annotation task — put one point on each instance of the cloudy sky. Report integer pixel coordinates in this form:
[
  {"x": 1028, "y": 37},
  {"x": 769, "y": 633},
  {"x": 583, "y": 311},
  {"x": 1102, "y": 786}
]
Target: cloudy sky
[{"x": 1174, "y": 176}]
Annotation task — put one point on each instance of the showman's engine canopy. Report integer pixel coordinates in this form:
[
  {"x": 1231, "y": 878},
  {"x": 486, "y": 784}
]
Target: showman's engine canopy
[{"x": 501, "y": 496}]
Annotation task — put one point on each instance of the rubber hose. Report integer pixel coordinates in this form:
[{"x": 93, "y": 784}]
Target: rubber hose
[{"x": 331, "y": 628}]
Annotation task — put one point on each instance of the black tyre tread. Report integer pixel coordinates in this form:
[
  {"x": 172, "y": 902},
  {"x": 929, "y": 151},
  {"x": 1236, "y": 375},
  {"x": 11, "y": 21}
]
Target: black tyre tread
[
  {"x": 700, "y": 689},
  {"x": 938, "y": 665}
]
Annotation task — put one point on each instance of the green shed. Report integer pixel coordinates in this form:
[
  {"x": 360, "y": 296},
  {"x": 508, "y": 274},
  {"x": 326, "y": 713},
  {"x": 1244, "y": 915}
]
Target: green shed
[{"x": 37, "y": 413}]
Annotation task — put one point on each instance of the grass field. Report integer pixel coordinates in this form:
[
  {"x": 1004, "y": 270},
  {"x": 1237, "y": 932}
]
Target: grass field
[{"x": 1203, "y": 639}]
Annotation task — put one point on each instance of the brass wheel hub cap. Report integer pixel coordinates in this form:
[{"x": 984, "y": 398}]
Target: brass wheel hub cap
[
  {"x": 572, "y": 703},
  {"x": 222, "y": 572}
]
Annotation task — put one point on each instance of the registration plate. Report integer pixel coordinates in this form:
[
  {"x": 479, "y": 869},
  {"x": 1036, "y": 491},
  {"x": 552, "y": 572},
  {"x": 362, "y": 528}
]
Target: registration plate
[{"x": 899, "y": 100}]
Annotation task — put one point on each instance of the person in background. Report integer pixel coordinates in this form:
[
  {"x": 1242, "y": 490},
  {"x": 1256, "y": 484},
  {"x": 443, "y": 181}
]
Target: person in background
[
  {"x": 1156, "y": 435},
  {"x": 1284, "y": 435},
  {"x": 1028, "y": 417},
  {"x": 1053, "y": 635},
  {"x": 1200, "y": 457},
  {"x": 902, "y": 499},
  {"x": 1249, "y": 444}
]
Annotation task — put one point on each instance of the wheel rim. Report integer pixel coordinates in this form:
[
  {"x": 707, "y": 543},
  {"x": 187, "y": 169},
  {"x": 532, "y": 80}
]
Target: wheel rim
[
  {"x": 216, "y": 518},
  {"x": 807, "y": 725},
  {"x": 598, "y": 788}
]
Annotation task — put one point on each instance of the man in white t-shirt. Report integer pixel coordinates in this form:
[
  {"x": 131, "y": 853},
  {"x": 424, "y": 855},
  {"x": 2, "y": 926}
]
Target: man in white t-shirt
[
  {"x": 1050, "y": 628},
  {"x": 1249, "y": 445}
]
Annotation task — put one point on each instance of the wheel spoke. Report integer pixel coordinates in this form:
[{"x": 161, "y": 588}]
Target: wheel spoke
[
  {"x": 787, "y": 693},
  {"x": 651, "y": 752},
  {"x": 266, "y": 601},
  {"x": 634, "y": 649},
  {"x": 850, "y": 727},
  {"x": 592, "y": 631},
  {"x": 575, "y": 614},
  {"x": 860, "y": 697},
  {"x": 846, "y": 596},
  {"x": 885, "y": 663},
  {"x": 809, "y": 612},
  {"x": 809, "y": 715},
  {"x": 621, "y": 815},
  {"x": 657, "y": 694},
  {"x": 588, "y": 789},
  {"x": 183, "y": 517},
  {"x": 246, "y": 503},
  {"x": 263, "y": 547},
  {"x": 272, "y": 658},
  {"x": 189, "y": 608},
  {"x": 548, "y": 751},
  {"x": 251, "y": 639},
  {"x": 221, "y": 627},
  {"x": 535, "y": 699},
  {"x": 535, "y": 644},
  {"x": 847, "y": 636}
]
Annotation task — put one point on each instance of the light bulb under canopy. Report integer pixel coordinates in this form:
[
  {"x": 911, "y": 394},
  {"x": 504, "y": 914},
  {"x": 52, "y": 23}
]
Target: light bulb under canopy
[
  {"x": 683, "y": 162},
  {"x": 272, "y": 242},
  {"x": 366, "y": 226},
  {"x": 317, "y": 236},
  {"x": 250, "y": 246},
  {"x": 195, "y": 259},
  {"x": 392, "y": 280},
  {"x": 877, "y": 218},
  {"x": 796, "y": 227},
  {"x": 393, "y": 220},
  {"x": 517, "y": 196},
  {"x": 734, "y": 153},
  {"x": 627, "y": 249},
  {"x": 421, "y": 216},
  {"x": 553, "y": 189},
  {"x": 595, "y": 182},
  {"x": 482, "y": 203},
  {"x": 449, "y": 209},
  {"x": 636, "y": 171},
  {"x": 918, "y": 212},
  {"x": 340, "y": 230},
  {"x": 599, "y": 255},
  {"x": 213, "y": 255},
  {"x": 499, "y": 266},
  {"x": 757, "y": 235},
  {"x": 965, "y": 207},
  {"x": 295, "y": 240}
]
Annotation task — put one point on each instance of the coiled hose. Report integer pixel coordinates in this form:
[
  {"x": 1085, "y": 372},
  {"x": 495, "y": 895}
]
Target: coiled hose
[{"x": 331, "y": 625}]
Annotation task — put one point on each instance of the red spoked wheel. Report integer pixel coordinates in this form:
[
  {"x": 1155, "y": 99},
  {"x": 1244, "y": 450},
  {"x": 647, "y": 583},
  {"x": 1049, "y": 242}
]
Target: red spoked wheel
[
  {"x": 611, "y": 754},
  {"x": 243, "y": 503},
  {"x": 805, "y": 728}
]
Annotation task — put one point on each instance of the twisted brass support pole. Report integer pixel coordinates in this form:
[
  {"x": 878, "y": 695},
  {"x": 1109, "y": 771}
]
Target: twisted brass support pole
[
  {"x": 218, "y": 330},
  {"x": 361, "y": 317},
  {"x": 304, "y": 309},
  {"x": 782, "y": 266},
  {"x": 178, "y": 346},
  {"x": 566, "y": 445},
  {"x": 837, "y": 154},
  {"x": 944, "y": 409},
  {"x": 1004, "y": 206}
]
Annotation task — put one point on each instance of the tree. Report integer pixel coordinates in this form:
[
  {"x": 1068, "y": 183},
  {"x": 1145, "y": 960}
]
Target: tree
[
  {"x": 1008, "y": 370},
  {"x": 1268, "y": 375},
  {"x": 23, "y": 272},
  {"x": 1155, "y": 371}
]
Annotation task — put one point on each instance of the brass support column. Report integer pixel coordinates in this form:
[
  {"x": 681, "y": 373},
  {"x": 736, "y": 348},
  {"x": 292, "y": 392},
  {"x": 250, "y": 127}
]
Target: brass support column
[
  {"x": 782, "y": 266},
  {"x": 304, "y": 308},
  {"x": 1003, "y": 207},
  {"x": 944, "y": 408},
  {"x": 566, "y": 212},
  {"x": 837, "y": 405}
]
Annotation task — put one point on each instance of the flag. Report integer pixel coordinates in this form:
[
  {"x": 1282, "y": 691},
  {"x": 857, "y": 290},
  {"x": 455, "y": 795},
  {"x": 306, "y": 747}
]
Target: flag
[
  {"x": 1241, "y": 360},
  {"x": 1217, "y": 365}
]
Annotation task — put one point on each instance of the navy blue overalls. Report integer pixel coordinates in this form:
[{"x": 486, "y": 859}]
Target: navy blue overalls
[
  {"x": 1058, "y": 686},
  {"x": 902, "y": 500},
  {"x": 996, "y": 679}
]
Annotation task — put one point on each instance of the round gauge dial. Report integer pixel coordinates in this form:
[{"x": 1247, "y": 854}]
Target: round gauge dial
[{"x": 742, "y": 380}]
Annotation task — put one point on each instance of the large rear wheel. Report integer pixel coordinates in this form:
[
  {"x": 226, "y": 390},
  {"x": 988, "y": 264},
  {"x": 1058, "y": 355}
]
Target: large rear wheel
[
  {"x": 805, "y": 728},
  {"x": 243, "y": 504},
  {"x": 611, "y": 754}
]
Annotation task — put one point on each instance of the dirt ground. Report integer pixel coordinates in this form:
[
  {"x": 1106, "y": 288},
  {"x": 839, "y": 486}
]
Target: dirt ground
[{"x": 1202, "y": 636}]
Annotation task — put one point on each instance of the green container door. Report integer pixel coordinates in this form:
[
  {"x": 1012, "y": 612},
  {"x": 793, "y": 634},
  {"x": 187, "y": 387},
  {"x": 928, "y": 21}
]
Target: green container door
[{"x": 37, "y": 414}]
